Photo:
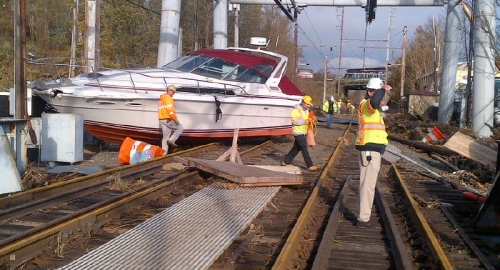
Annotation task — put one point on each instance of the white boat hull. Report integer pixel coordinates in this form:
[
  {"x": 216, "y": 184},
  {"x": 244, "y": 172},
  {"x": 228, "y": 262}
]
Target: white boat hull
[{"x": 114, "y": 119}]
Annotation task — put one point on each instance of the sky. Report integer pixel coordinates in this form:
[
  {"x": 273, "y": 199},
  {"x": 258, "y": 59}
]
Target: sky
[{"x": 320, "y": 26}]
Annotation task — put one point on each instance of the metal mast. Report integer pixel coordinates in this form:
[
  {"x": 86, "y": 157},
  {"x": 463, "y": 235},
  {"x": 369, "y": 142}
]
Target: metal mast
[{"x": 340, "y": 50}]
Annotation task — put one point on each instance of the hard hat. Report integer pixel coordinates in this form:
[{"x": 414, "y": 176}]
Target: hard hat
[
  {"x": 308, "y": 100},
  {"x": 374, "y": 83},
  {"x": 332, "y": 98},
  {"x": 171, "y": 88}
]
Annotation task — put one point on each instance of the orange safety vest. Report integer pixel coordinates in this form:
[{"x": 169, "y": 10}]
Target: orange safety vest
[
  {"x": 166, "y": 108},
  {"x": 371, "y": 125}
]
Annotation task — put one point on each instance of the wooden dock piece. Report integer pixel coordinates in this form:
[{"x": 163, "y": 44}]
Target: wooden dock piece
[
  {"x": 473, "y": 149},
  {"x": 242, "y": 174}
]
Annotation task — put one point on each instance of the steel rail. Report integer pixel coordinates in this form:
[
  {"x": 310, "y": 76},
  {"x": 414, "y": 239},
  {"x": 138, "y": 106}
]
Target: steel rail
[
  {"x": 324, "y": 249},
  {"x": 422, "y": 224},
  {"x": 26, "y": 245},
  {"x": 293, "y": 239},
  {"x": 399, "y": 253},
  {"x": 468, "y": 240},
  {"x": 61, "y": 187},
  {"x": 33, "y": 241},
  {"x": 401, "y": 258}
]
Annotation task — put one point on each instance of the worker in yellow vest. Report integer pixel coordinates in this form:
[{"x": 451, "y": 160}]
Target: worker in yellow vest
[
  {"x": 371, "y": 142},
  {"x": 339, "y": 106},
  {"x": 328, "y": 108},
  {"x": 350, "y": 107},
  {"x": 300, "y": 122}
]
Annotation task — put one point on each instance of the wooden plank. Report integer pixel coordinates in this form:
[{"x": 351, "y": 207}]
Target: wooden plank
[
  {"x": 285, "y": 169},
  {"x": 266, "y": 184},
  {"x": 473, "y": 149},
  {"x": 244, "y": 174}
]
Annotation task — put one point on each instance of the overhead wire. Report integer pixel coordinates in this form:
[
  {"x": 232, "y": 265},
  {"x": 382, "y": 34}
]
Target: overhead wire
[
  {"x": 314, "y": 45},
  {"x": 307, "y": 16}
]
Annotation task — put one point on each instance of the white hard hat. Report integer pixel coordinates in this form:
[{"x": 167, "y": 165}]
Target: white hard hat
[{"x": 375, "y": 83}]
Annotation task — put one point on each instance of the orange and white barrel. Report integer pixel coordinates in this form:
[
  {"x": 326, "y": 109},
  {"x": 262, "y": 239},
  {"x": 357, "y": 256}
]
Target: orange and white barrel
[
  {"x": 132, "y": 151},
  {"x": 435, "y": 135}
]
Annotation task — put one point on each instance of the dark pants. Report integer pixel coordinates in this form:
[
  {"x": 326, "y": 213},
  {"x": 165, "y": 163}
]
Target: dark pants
[{"x": 300, "y": 145}]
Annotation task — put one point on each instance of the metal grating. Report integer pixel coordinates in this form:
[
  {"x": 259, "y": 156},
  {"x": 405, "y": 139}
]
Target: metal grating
[{"x": 189, "y": 235}]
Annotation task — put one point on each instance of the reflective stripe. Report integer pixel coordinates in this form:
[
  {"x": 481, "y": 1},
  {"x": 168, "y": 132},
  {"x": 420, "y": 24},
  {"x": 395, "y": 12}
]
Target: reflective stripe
[
  {"x": 372, "y": 126},
  {"x": 166, "y": 107}
]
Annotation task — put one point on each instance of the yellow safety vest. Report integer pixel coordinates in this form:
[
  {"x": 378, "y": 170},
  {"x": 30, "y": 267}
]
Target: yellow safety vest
[
  {"x": 371, "y": 125},
  {"x": 299, "y": 114},
  {"x": 325, "y": 106}
]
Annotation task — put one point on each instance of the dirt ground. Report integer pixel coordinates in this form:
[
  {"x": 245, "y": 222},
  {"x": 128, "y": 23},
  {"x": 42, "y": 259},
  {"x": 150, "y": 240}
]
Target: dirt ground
[{"x": 407, "y": 127}]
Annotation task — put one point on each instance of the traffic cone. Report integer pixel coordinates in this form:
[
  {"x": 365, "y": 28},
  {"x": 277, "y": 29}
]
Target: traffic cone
[
  {"x": 435, "y": 135},
  {"x": 132, "y": 151}
]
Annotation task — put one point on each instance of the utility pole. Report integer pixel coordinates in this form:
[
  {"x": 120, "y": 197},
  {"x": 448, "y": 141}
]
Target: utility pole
[
  {"x": 435, "y": 56},
  {"x": 387, "y": 60},
  {"x": 325, "y": 79},
  {"x": 340, "y": 51},
  {"x": 74, "y": 39},
  {"x": 295, "y": 39},
  {"x": 196, "y": 45},
  {"x": 403, "y": 65},
  {"x": 92, "y": 22},
  {"x": 20, "y": 57},
  {"x": 236, "y": 9}
]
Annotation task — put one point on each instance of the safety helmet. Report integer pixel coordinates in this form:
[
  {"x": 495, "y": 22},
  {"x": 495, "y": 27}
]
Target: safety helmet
[
  {"x": 374, "y": 83},
  {"x": 171, "y": 88},
  {"x": 307, "y": 100}
]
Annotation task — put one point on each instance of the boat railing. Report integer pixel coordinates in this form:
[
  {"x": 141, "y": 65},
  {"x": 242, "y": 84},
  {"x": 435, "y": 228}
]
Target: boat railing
[
  {"x": 60, "y": 68},
  {"x": 227, "y": 87}
]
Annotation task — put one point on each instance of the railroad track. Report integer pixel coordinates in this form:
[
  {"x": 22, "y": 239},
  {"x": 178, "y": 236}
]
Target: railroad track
[
  {"x": 312, "y": 226},
  {"x": 325, "y": 235},
  {"x": 447, "y": 216},
  {"x": 32, "y": 220}
]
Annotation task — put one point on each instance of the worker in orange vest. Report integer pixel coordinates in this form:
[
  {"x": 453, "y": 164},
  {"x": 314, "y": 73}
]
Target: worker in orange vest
[{"x": 169, "y": 124}]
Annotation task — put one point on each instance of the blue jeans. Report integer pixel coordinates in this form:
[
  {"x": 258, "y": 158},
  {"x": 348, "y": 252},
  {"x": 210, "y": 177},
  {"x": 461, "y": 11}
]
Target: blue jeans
[{"x": 329, "y": 119}]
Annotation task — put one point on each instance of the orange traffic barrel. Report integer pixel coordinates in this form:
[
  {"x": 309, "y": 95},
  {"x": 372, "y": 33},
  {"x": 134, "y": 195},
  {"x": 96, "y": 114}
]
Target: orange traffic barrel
[
  {"x": 132, "y": 151},
  {"x": 435, "y": 135}
]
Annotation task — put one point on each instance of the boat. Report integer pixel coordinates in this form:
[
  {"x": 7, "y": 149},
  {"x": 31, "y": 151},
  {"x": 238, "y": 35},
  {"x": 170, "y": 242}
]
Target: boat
[{"x": 218, "y": 91}]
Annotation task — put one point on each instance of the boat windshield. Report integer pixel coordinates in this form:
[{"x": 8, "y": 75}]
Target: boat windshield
[{"x": 221, "y": 69}]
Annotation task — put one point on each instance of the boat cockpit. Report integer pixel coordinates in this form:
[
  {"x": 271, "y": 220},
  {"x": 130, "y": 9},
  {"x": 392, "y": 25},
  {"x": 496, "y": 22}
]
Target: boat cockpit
[{"x": 217, "y": 68}]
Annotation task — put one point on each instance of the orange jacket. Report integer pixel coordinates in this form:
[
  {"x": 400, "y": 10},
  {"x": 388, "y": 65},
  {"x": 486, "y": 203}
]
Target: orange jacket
[{"x": 166, "y": 108}]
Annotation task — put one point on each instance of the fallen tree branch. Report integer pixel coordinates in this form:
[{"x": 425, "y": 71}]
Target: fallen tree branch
[
  {"x": 422, "y": 146},
  {"x": 445, "y": 162}
]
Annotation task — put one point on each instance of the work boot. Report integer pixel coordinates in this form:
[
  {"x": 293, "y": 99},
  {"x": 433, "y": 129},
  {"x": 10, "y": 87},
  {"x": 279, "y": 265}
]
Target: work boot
[
  {"x": 172, "y": 143},
  {"x": 312, "y": 168},
  {"x": 285, "y": 164},
  {"x": 371, "y": 224},
  {"x": 173, "y": 146}
]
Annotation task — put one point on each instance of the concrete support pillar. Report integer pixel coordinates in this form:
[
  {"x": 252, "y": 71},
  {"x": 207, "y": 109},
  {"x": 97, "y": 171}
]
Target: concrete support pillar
[
  {"x": 220, "y": 24},
  {"x": 452, "y": 42},
  {"x": 169, "y": 31},
  {"x": 484, "y": 67}
]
